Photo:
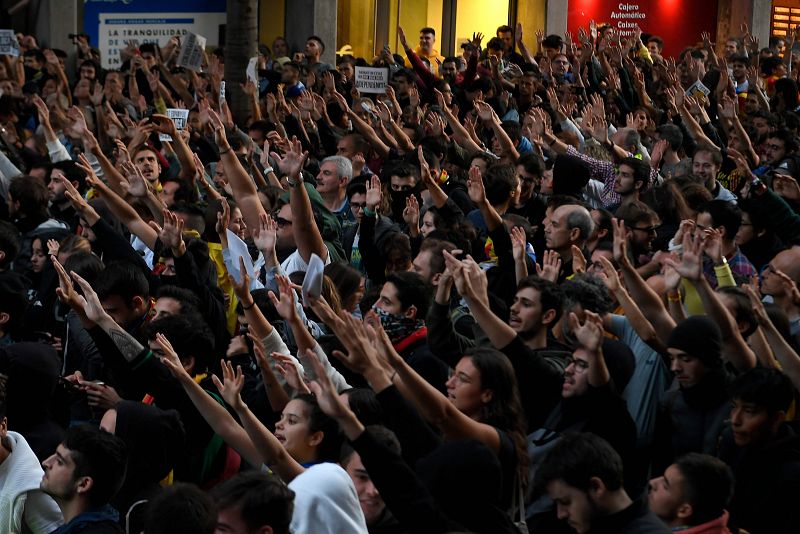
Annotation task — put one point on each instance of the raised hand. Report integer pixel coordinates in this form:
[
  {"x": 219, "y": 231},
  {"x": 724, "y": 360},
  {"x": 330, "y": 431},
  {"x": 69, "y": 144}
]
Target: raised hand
[
  {"x": 620, "y": 242},
  {"x": 578, "y": 260},
  {"x": 609, "y": 275},
  {"x": 223, "y": 219},
  {"x": 518, "y": 243},
  {"x": 52, "y": 247},
  {"x": 374, "y": 193},
  {"x": 475, "y": 186},
  {"x": 163, "y": 124},
  {"x": 485, "y": 111},
  {"x": 691, "y": 264},
  {"x": 265, "y": 234},
  {"x": 230, "y": 388},
  {"x": 411, "y": 213},
  {"x": 171, "y": 234},
  {"x": 327, "y": 397},
  {"x": 293, "y": 160},
  {"x": 285, "y": 304},
  {"x": 66, "y": 290},
  {"x": 551, "y": 266},
  {"x": 90, "y": 302},
  {"x": 401, "y": 35},
  {"x": 361, "y": 356},
  {"x": 287, "y": 368},
  {"x": 242, "y": 287},
  {"x": 589, "y": 333}
]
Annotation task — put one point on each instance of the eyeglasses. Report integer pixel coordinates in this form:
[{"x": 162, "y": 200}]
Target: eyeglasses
[
  {"x": 358, "y": 205},
  {"x": 647, "y": 229},
  {"x": 282, "y": 223}
]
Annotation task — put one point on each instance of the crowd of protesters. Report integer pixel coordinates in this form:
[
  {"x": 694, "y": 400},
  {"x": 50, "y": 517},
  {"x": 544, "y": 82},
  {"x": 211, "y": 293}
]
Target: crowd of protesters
[{"x": 545, "y": 287}]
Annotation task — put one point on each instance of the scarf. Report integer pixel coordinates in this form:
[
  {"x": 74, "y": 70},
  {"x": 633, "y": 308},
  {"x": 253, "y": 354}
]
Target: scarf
[{"x": 398, "y": 327}]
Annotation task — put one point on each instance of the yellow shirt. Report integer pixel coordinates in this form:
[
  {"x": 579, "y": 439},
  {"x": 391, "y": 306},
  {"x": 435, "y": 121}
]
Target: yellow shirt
[{"x": 432, "y": 58}]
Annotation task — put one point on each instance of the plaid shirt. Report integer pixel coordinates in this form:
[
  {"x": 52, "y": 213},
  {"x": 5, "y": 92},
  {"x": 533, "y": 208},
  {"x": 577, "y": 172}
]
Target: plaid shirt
[
  {"x": 606, "y": 172},
  {"x": 740, "y": 266}
]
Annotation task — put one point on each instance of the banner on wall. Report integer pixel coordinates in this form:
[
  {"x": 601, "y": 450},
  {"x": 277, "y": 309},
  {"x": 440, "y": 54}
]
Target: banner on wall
[
  {"x": 113, "y": 24},
  {"x": 678, "y": 22}
]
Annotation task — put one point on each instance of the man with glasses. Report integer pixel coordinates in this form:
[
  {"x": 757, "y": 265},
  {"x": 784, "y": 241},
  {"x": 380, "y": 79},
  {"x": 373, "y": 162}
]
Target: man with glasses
[
  {"x": 641, "y": 226},
  {"x": 776, "y": 281}
]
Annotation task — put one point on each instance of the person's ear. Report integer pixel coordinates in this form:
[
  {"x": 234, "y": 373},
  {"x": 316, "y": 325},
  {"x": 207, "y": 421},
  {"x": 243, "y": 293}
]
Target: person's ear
[
  {"x": 4, "y": 318},
  {"x": 597, "y": 489},
  {"x": 684, "y": 511},
  {"x": 316, "y": 438},
  {"x": 487, "y": 395},
  {"x": 188, "y": 363},
  {"x": 574, "y": 234},
  {"x": 434, "y": 280},
  {"x": 777, "y": 420},
  {"x": 138, "y": 302},
  {"x": 83, "y": 485},
  {"x": 411, "y": 312},
  {"x": 548, "y": 317},
  {"x": 2, "y": 256}
]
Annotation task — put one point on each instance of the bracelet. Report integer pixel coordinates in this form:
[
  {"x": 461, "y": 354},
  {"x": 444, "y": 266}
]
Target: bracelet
[
  {"x": 368, "y": 212},
  {"x": 248, "y": 307},
  {"x": 676, "y": 298},
  {"x": 224, "y": 151},
  {"x": 268, "y": 170},
  {"x": 292, "y": 183}
]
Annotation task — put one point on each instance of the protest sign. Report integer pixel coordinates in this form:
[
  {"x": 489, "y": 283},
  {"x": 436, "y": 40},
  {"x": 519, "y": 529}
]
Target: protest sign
[
  {"x": 371, "y": 80},
  {"x": 179, "y": 117}
]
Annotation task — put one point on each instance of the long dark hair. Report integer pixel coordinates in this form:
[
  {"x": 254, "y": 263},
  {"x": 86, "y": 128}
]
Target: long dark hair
[{"x": 504, "y": 410}]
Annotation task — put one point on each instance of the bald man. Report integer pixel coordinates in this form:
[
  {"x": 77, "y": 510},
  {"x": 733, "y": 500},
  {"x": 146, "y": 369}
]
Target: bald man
[{"x": 787, "y": 262}]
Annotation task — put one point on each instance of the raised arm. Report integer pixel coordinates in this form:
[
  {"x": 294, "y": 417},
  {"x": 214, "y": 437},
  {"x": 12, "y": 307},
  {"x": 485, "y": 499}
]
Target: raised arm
[
  {"x": 121, "y": 209},
  {"x": 217, "y": 417},
  {"x": 488, "y": 115},
  {"x": 735, "y": 349},
  {"x": 164, "y": 124},
  {"x": 242, "y": 186},
  {"x": 460, "y": 134},
  {"x": 272, "y": 452},
  {"x": 649, "y": 302},
  {"x": 363, "y": 127}
]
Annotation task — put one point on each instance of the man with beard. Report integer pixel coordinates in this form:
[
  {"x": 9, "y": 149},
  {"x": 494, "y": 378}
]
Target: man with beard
[
  {"x": 692, "y": 494},
  {"x": 630, "y": 180},
  {"x": 724, "y": 217},
  {"x": 60, "y": 206},
  {"x": 524, "y": 339},
  {"x": 641, "y": 224}
]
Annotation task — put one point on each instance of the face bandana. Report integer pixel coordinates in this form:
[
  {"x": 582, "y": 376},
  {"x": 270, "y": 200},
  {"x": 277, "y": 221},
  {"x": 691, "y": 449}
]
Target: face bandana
[{"x": 396, "y": 326}]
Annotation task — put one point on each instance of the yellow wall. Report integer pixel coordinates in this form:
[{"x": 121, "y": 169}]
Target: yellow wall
[
  {"x": 532, "y": 14},
  {"x": 271, "y": 15},
  {"x": 355, "y": 21},
  {"x": 479, "y": 16},
  {"x": 415, "y": 15}
]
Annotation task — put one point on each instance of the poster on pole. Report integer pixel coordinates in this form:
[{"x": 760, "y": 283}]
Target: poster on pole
[
  {"x": 252, "y": 72},
  {"x": 371, "y": 80},
  {"x": 192, "y": 48},
  {"x": 179, "y": 118},
  {"x": 8, "y": 43}
]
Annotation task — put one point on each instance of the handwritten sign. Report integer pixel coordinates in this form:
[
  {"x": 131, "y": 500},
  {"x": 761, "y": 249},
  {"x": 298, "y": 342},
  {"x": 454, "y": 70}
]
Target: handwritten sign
[
  {"x": 192, "y": 52},
  {"x": 371, "y": 80}
]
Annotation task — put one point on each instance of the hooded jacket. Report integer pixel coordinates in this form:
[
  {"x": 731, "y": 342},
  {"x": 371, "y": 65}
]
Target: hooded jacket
[
  {"x": 326, "y": 502},
  {"x": 715, "y": 526}
]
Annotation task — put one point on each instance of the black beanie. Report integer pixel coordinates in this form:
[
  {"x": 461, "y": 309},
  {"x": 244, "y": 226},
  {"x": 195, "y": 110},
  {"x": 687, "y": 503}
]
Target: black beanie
[{"x": 698, "y": 336}]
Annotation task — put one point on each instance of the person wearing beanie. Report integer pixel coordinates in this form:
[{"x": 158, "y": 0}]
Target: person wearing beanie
[{"x": 691, "y": 416}]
